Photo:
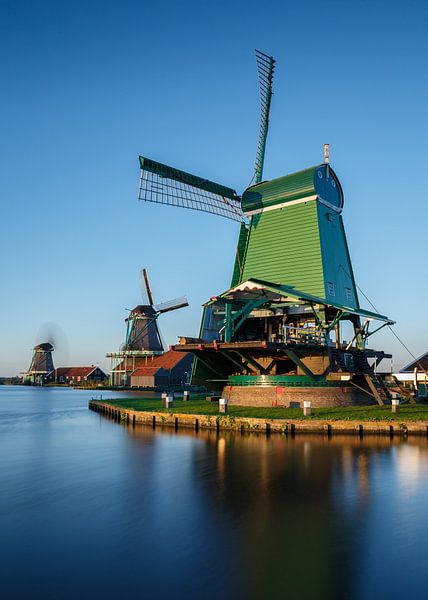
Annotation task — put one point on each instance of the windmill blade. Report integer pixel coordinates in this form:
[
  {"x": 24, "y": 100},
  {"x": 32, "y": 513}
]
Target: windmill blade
[
  {"x": 265, "y": 69},
  {"x": 162, "y": 339},
  {"x": 146, "y": 292},
  {"x": 171, "y": 305},
  {"x": 165, "y": 185}
]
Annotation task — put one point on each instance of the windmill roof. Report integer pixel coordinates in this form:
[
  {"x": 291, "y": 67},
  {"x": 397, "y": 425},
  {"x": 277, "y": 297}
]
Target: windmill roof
[
  {"x": 45, "y": 346},
  {"x": 296, "y": 186}
]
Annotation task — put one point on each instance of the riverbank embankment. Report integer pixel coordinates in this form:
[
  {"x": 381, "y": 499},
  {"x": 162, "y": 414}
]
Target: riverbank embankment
[{"x": 209, "y": 418}]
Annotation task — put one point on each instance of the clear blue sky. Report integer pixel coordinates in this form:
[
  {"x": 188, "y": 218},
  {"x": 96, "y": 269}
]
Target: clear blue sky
[{"x": 86, "y": 86}]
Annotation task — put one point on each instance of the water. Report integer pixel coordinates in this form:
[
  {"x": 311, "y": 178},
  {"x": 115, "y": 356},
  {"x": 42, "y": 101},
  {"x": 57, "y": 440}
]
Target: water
[{"x": 90, "y": 508}]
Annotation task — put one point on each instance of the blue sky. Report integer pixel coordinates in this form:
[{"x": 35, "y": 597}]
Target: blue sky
[{"x": 87, "y": 86}]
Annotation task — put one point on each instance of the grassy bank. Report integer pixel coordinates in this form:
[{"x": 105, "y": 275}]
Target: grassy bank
[{"x": 199, "y": 406}]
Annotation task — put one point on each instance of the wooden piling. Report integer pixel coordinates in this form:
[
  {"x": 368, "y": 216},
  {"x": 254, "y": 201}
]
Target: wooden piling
[{"x": 255, "y": 424}]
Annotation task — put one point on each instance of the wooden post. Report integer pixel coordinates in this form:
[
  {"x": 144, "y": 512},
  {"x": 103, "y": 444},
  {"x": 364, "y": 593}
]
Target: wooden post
[
  {"x": 222, "y": 405},
  {"x": 307, "y": 408},
  {"x": 395, "y": 405}
]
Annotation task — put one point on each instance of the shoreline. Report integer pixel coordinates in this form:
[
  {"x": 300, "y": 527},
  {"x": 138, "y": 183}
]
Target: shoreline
[{"x": 266, "y": 426}]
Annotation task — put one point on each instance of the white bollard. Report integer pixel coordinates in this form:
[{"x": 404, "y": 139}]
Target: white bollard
[
  {"x": 186, "y": 396},
  {"x": 164, "y": 397},
  {"x": 169, "y": 402},
  {"x": 307, "y": 408},
  {"x": 222, "y": 405},
  {"x": 395, "y": 405}
]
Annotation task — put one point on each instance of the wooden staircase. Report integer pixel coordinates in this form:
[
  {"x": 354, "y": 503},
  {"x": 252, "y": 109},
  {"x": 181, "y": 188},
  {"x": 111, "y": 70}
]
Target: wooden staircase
[
  {"x": 374, "y": 381},
  {"x": 362, "y": 367}
]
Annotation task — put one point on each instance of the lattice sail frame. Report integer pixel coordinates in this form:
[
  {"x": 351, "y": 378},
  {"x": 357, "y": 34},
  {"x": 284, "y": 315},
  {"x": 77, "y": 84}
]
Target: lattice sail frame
[
  {"x": 170, "y": 305},
  {"x": 265, "y": 70},
  {"x": 162, "y": 184}
]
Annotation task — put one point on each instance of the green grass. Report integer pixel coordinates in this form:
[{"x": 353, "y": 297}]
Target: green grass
[{"x": 199, "y": 406}]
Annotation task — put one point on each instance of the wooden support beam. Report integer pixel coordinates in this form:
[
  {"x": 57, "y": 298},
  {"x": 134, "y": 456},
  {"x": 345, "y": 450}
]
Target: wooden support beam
[
  {"x": 240, "y": 366},
  {"x": 373, "y": 389},
  {"x": 209, "y": 366},
  {"x": 257, "y": 367},
  {"x": 361, "y": 388},
  {"x": 299, "y": 363}
]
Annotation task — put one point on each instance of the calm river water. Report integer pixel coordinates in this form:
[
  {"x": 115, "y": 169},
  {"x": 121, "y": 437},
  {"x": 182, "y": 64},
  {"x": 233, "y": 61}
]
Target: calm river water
[{"x": 90, "y": 508}]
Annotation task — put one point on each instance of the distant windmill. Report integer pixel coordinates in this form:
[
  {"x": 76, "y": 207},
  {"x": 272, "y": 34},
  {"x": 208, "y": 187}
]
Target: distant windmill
[
  {"x": 143, "y": 338},
  {"x": 142, "y": 333},
  {"x": 41, "y": 364}
]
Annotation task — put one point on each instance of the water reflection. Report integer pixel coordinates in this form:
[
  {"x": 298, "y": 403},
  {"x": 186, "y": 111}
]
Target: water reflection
[
  {"x": 304, "y": 508},
  {"x": 94, "y": 508}
]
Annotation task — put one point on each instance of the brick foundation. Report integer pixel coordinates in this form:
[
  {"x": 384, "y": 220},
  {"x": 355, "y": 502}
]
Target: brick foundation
[{"x": 321, "y": 397}]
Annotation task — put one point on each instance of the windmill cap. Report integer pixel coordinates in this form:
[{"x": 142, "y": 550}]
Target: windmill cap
[
  {"x": 316, "y": 182},
  {"x": 47, "y": 346}
]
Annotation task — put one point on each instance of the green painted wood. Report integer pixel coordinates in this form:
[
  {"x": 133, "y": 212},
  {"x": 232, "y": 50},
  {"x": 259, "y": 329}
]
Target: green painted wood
[
  {"x": 320, "y": 180},
  {"x": 282, "y": 381},
  {"x": 240, "y": 253},
  {"x": 337, "y": 269},
  {"x": 284, "y": 247}
]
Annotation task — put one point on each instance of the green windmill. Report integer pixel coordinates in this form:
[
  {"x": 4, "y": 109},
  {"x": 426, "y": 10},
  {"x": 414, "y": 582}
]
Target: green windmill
[{"x": 276, "y": 336}]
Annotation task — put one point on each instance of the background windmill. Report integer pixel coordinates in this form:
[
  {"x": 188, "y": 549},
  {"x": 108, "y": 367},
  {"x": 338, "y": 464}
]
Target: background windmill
[
  {"x": 143, "y": 338},
  {"x": 50, "y": 338},
  {"x": 41, "y": 364}
]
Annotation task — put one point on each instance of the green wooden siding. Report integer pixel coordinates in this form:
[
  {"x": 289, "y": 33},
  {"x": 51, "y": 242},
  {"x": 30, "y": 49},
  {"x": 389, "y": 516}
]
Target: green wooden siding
[
  {"x": 337, "y": 266},
  {"x": 284, "y": 189},
  {"x": 239, "y": 257},
  {"x": 284, "y": 247},
  {"x": 321, "y": 181}
]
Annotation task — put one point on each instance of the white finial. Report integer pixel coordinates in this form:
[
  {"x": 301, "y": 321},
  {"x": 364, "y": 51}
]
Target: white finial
[{"x": 326, "y": 154}]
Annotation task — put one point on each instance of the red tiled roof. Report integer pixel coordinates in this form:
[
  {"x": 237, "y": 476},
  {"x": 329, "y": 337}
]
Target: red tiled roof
[
  {"x": 145, "y": 371},
  {"x": 74, "y": 371},
  {"x": 167, "y": 361},
  {"x": 139, "y": 362}
]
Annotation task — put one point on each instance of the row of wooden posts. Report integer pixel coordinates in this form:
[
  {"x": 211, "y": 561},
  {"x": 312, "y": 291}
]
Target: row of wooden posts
[
  {"x": 289, "y": 428},
  {"x": 168, "y": 402}
]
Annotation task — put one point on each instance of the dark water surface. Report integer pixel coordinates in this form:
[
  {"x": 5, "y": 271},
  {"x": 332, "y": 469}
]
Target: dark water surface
[{"x": 90, "y": 508}]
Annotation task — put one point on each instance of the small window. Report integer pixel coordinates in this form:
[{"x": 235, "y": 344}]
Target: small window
[
  {"x": 330, "y": 288},
  {"x": 348, "y": 294}
]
